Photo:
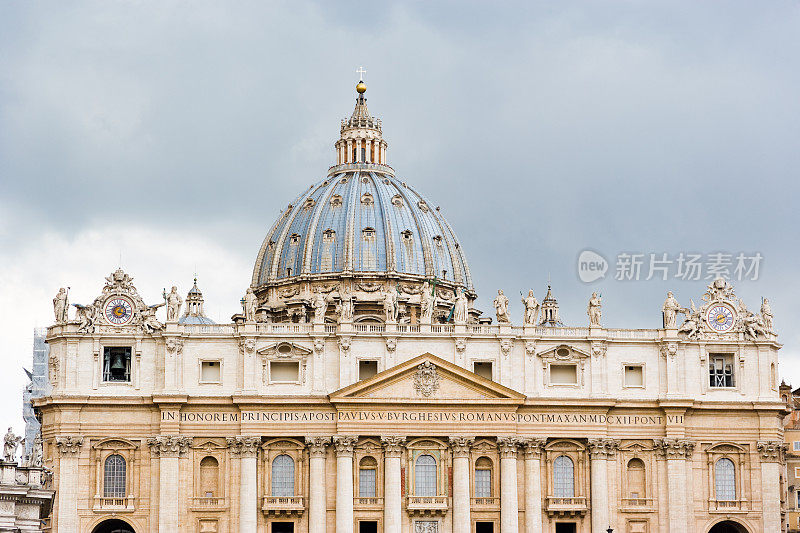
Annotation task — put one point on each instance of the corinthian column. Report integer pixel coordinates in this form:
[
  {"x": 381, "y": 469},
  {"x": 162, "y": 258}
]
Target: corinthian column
[
  {"x": 461, "y": 503},
  {"x": 509, "y": 506},
  {"x": 601, "y": 451},
  {"x": 69, "y": 448},
  {"x": 676, "y": 452},
  {"x": 168, "y": 449},
  {"x": 344, "y": 482},
  {"x": 317, "y": 506},
  {"x": 533, "y": 484},
  {"x": 246, "y": 448},
  {"x": 772, "y": 457},
  {"x": 392, "y": 504}
]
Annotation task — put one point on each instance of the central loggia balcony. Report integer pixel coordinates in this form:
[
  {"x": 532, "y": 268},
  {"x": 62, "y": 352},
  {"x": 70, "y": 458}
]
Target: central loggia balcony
[
  {"x": 208, "y": 503},
  {"x": 558, "y": 506},
  {"x": 124, "y": 504},
  {"x": 283, "y": 505},
  {"x": 427, "y": 505},
  {"x": 728, "y": 506},
  {"x": 367, "y": 502}
]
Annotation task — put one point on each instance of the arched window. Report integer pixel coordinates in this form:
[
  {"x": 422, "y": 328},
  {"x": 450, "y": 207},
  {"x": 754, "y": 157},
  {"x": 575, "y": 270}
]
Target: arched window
[
  {"x": 483, "y": 478},
  {"x": 725, "y": 479},
  {"x": 563, "y": 477},
  {"x": 425, "y": 476},
  {"x": 209, "y": 477},
  {"x": 283, "y": 476},
  {"x": 367, "y": 477},
  {"x": 114, "y": 477},
  {"x": 636, "y": 479}
]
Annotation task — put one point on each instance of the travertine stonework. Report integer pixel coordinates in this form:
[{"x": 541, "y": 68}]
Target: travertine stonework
[{"x": 279, "y": 422}]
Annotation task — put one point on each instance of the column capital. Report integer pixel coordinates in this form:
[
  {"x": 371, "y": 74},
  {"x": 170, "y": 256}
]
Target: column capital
[
  {"x": 344, "y": 444},
  {"x": 316, "y": 445},
  {"x": 392, "y": 445},
  {"x": 460, "y": 445},
  {"x": 674, "y": 448},
  {"x": 533, "y": 447},
  {"x": 507, "y": 447},
  {"x": 168, "y": 445},
  {"x": 69, "y": 445},
  {"x": 603, "y": 448},
  {"x": 772, "y": 451},
  {"x": 244, "y": 446}
]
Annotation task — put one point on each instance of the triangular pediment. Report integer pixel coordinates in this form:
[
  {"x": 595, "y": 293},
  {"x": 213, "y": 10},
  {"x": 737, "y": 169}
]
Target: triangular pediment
[{"x": 426, "y": 379}]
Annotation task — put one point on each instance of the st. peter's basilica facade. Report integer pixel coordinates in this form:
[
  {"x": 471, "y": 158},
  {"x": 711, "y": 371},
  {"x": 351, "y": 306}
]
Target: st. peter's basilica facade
[{"x": 360, "y": 391}]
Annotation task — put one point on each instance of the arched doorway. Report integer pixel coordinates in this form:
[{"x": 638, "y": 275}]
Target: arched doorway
[
  {"x": 113, "y": 526},
  {"x": 728, "y": 526}
]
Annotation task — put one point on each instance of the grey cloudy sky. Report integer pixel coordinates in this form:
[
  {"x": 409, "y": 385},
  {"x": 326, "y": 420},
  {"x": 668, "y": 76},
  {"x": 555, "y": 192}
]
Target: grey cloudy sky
[{"x": 172, "y": 133}]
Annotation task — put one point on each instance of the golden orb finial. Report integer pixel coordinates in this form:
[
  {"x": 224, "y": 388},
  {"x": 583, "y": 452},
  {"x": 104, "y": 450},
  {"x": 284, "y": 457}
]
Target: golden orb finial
[{"x": 361, "y": 88}]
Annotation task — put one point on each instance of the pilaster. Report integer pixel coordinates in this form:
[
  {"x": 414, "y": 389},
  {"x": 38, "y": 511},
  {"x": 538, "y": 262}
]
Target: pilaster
[
  {"x": 460, "y": 447},
  {"x": 509, "y": 505},
  {"x": 392, "y": 495}
]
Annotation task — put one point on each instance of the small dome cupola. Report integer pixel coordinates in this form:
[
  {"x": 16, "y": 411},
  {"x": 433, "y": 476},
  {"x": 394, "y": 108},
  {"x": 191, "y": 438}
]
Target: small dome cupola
[
  {"x": 194, "y": 313},
  {"x": 361, "y": 139}
]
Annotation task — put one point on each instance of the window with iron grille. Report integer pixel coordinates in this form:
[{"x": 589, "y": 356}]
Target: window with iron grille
[
  {"x": 483, "y": 483},
  {"x": 283, "y": 476},
  {"x": 721, "y": 370},
  {"x": 117, "y": 363},
  {"x": 114, "y": 477},
  {"x": 425, "y": 476},
  {"x": 725, "y": 479},
  {"x": 563, "y": 477}
]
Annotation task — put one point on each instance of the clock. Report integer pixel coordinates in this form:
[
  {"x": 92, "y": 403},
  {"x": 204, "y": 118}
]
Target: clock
[
  {"x": 720, "y": 318},
  {"x": 119, "y": 310}
]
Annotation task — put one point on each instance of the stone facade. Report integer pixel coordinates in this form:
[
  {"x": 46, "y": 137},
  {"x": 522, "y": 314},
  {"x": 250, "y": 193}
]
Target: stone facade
[
  {"x": 386, "y": 413},
  {"x": 25, "y": 499}
]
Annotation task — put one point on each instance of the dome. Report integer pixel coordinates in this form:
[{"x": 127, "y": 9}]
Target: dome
[
  {"x": 194, "y": 308},
  {"x": 361, "y": 222}
]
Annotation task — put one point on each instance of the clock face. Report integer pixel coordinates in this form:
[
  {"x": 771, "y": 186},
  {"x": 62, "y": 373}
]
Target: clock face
[
  {"x": 720, "y": 318},
  {"x": 119, "y": 311}
]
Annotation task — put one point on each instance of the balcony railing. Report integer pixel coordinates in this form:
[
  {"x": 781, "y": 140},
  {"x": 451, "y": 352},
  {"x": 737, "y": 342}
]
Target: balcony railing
[
  {"x": 727, "y": 506},
  {"x": 369, "y": 328},
  {"x": 485, "y": 502},
  {"x": 427, "y": 505},
  {"x": 208, "y": 503},
  {"x": 283, "y": 505},
  {"x": 637, "y": 504},
  {"x": 363, "y": 502},
  {"x": 566, "y": 506},
  {"x": 124, "y": 504}
]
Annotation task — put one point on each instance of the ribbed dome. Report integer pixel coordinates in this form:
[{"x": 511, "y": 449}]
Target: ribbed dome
[{"x": 361, "y": 222}]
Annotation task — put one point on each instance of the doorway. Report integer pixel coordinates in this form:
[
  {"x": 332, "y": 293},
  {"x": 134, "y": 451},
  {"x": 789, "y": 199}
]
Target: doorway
[
  {"x": 484, "y": 527},
  {"x": 368, "y": 526},
  {"x": 113, "y": 526},
  {"x": 727, "y": 526},
  {"x": 283, "y": 527},
  {"x": 566, "y": 527}
]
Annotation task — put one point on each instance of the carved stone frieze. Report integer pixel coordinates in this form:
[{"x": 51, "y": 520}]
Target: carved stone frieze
[
  {"x": 674, "y": 448},
  {"x": 244, "y": 446},
  {"x": 69, "y": 445},
  {"x": 168, "y": 445},
  {"x": 772, "y": 451},
  {"x": 316, "y": 445},
  {"x": 461, "y": 344},
  {"x": 530, "y": 348},
  {"x": 461, "y": 445},
  {"x": 599, "y": 349},
  {"x": 391, "y": 344},
  {"x": 344, "y": 444},
  {"x": 319, "y": 344},
  {"x": 669, "y": 349},
  {"x": 344, "y": 343},
  {"x": 603, "y": 448},
  {"x": 174, "y": 345},
  {"x": 507, "y": 446},
  {"x": 505, "y": 346},
  {"x": 392, "y": 445},
  {"x": 426, "y": 379}
]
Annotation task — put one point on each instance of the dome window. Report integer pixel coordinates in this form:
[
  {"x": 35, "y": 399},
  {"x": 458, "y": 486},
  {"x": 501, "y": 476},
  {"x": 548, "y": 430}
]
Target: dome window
[
  {"x": 343, "y": 180},
  {"x": 367, "y": 199},
  {"x": 309, "y": 203},
  {"x": 368, "y": 233},
  {"x": 294, "y": 239},
  {"x": 328, "y": 243},
  {"x": 397, "y": 200},
  {"x": 406, "y": 234},
  {"x": 336, "y": 201},
  {"x": 423, "y": 206}
]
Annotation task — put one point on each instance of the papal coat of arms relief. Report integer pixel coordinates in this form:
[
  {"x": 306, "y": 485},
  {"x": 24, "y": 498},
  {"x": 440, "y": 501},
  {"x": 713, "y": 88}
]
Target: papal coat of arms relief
[{"x": 426, "y": 380}]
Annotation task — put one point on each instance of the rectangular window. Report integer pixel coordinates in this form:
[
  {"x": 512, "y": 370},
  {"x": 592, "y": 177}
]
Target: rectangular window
[
  {"x": 366, "y": 482},
  {"x": 483, "y": 483},
  {"x": 117, "y": 364},
  {"x": 367, "y": 369},
  {"x": 798, "y": 500},
  {"x": 483, "y": 369},
  {"x": 563, "y": 374},
  {"x": 720, "y": 367},
  {"x": 210, "y": 371},
  {"x": 796, "y": 446},
  {"x": 634, "y": 376},
  {"x": 284, "y": 371}
]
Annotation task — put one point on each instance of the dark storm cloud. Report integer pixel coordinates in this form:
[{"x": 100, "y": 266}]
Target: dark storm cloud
[{"x": 540, "y": 128}]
